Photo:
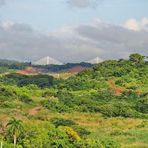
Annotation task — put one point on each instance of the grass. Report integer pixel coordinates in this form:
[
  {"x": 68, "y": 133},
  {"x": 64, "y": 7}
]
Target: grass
[
  {"x": 62, "y": 75},
  {"x": 130, "y": 133}
]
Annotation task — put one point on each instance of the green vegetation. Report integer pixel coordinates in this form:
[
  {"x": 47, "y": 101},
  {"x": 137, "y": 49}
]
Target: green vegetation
[
  {"x": 41, "y": 81},
  {"x": 59, "y": 68},
  {"x": 15, "y": 128},
  {"x": 9, "y": 64},
  {"x": 103, "y": 107}
]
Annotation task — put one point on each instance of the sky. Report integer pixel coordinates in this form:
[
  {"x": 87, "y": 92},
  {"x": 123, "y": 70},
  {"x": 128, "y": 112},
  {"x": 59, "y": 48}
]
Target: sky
[{"x": 73, "y": 30}]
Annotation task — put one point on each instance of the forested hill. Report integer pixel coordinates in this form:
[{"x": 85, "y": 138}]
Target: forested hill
[
  {"x": 11, "y": 64},
  {"x": 129, "y": 74},
  {"x": 102, "y": 107},
  {"x": 114, "y": 88}
]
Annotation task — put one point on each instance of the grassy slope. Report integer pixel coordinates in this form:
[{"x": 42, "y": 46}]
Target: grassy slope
[{"x": 130, "y": 133}]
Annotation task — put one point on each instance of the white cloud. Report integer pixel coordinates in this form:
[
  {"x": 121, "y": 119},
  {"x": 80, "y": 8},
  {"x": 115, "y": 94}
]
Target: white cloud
[
  {"x": 71, "y": 43},
  {"x": 136, "y": 25},
  {"x": 7, "y": 24}
]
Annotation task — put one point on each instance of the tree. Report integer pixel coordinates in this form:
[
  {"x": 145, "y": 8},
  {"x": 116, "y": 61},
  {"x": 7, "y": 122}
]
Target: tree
[
  {"x": 15, "y": 128},
  {"x": 2, "y": 132},
  {"x": 2, "y": 128},
  {"x": 136, "y": 58}
]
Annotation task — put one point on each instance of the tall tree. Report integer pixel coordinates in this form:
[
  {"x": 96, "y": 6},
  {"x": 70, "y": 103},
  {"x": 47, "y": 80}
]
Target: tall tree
[
  {"x": 15, "y": 128},
  {"x": 2, "y": 132},
  {"x": 136, "y": 58}
]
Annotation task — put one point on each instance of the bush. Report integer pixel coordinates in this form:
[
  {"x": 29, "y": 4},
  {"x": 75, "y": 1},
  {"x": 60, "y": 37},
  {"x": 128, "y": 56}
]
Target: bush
[
  {"x": 97, "y": 143},
  {"x": 73, "y": 135},
  {"x": 142, "y": 105},
  {"x": 62, "y": 122},
  {"x": 55, "y": 106},
  {"x": 83, "y": 132},
  {"x": 118, "y": 109},
  {"x": 25, "y": 98},
  {"x": 41, "y": 81},
  {"x": 110, "y": 143}
]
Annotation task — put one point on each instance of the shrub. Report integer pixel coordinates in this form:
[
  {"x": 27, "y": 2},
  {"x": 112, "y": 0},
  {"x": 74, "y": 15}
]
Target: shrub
[
  {"x": 97, "y": 143},
  {"x": 118, "y": 109},
  {"x": 73, "y": 135},
  {"x": 89, "y": 143},
  {"x": 25, "y": 98},
  {"x": 83, "y": 132},
  {"x": 142, "y": 105},
  {"x": 62, "y": 122},
  {"x": 110, "y": 143},
  {"x": 55, "y": 106}
]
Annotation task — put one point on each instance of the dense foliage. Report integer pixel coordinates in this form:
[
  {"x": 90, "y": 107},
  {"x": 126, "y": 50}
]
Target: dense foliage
[
  {"x": 41, "y": 81},
  {"x": 116, "y": 89},
  {"x": 13, "y": 64},
  {"x": 59, "y": 68}
]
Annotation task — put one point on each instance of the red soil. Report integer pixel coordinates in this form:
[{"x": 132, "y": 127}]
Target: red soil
[
  {"x": 76, "y": 69},
  {"x": 118, "y": 90},
  {"x": 35, "y": 110},
  {"x": 28, "y": 70}
]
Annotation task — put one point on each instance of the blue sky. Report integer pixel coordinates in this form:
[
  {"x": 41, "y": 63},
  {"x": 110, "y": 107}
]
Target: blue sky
[
  {"x": 73, "y": 30},
  {"x": 52, "y": 14}
]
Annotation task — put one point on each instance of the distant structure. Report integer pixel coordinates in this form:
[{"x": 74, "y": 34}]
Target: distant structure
[
  {"x": 47, "y": 61},
  {"x": 95, "y": 60}
]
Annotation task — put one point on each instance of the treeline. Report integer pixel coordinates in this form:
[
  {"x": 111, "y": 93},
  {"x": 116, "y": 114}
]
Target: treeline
[
  {"x": 5, "y": 65},
  {"x": 41, "y": 81},
  {"x": 59, "y": 68},
  {"x": 13, "y": 64}
]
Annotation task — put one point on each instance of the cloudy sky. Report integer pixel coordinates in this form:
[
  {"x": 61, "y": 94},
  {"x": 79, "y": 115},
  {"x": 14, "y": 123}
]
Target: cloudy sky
[{"x": 73, "y": 30}]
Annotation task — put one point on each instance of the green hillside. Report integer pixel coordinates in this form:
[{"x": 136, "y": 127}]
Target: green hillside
[{"x": 102, "y": 107}]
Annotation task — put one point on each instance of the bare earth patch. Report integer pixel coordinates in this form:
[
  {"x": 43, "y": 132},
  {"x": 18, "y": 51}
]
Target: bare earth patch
[{"x": 34, "y": 111}]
